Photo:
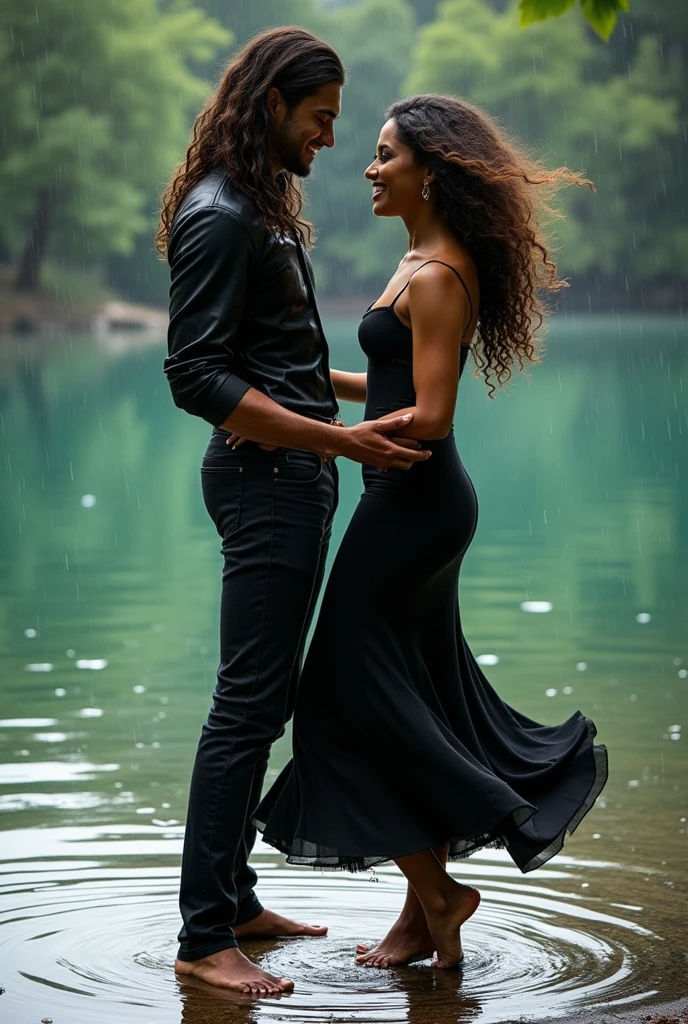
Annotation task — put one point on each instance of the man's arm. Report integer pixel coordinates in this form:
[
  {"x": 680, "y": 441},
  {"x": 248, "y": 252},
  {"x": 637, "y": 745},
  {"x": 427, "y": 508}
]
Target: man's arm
[
  {"x": 257, "y": 418},
  {"x": 211, "y": 258}
]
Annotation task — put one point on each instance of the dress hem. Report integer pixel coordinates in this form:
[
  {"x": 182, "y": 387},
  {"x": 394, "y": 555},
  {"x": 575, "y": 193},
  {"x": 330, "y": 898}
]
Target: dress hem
[{"x": 459, "y": 848}]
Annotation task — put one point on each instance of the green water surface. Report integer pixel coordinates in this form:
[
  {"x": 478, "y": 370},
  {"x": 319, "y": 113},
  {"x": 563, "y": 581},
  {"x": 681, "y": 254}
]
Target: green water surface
[{"x": 110, "y": 573}]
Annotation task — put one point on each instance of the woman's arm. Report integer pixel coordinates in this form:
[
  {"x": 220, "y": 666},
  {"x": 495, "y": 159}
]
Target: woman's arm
[
  {"x": 439, "y": 311},
  {"x": 349, "y": 387}
]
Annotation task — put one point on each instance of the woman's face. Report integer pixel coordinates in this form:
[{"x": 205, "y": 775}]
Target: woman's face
[{"x": 396, "y": 178}]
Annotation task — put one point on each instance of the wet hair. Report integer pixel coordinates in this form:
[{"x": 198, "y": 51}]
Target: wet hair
[
  {"x": 495, "y": 198},
  {"x": 234, "y": 130}
]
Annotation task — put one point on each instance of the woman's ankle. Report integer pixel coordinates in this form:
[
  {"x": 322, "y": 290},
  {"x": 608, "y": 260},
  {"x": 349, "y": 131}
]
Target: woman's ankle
[{"x": 412, "y": 915}]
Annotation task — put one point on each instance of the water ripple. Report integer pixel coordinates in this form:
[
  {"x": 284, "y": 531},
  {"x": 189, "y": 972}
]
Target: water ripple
[{"x": 81, "y": 930}]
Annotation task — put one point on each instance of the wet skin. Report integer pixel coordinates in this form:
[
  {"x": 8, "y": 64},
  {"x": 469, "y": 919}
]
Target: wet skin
[
  {"x": 230, "y": 969},
  {"x": 435, "y": 909}
]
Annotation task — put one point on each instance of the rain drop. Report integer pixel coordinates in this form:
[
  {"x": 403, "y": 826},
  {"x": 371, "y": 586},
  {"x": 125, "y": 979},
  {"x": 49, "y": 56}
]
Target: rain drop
[{"x": 537, "y": 607}]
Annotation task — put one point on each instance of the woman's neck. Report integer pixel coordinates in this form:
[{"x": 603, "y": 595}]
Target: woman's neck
[{"x": 427, "y": 231}]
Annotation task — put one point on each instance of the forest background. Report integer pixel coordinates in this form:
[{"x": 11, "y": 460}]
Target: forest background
[{"x": 98, "y": 101}]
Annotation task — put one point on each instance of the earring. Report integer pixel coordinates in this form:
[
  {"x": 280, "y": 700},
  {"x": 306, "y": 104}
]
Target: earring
[{"x": 426, "y": 189}]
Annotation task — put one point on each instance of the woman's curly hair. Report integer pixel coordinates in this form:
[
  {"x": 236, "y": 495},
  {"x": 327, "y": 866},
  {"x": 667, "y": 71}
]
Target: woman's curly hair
[
  {"x": 233, "y": 130},
  {"x": 494, "y": 198}
]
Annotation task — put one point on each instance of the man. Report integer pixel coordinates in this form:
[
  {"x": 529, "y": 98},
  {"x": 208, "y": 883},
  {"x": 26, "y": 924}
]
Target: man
[{"x": 247, "y": 353}]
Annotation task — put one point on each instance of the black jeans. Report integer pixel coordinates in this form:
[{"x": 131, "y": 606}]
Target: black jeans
[{"x": 273, "y": 511}]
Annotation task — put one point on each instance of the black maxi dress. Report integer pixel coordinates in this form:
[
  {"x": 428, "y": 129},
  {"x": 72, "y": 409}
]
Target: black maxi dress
[{"x": 399, "y": 741}]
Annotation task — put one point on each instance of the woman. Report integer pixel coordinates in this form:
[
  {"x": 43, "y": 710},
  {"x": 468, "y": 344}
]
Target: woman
[{"x": 402, "y": 749}]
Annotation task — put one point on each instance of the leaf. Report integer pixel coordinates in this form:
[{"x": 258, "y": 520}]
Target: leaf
[
  {"x": 602, "y": 14},
  {"x": 539, "y": 10}
]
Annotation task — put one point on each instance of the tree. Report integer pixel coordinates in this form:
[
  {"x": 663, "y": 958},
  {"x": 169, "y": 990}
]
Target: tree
[
  {"x": 246, "y": 19},
  {"x": 557, "y": 89},
  {"x": 355, "y": 249},
  {"x": 96, "y": 101},
  {"x": 375, "y": 40}
]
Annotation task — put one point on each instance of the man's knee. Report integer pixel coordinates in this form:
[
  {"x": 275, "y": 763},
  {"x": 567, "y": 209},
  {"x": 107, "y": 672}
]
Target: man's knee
[{"x": 257, "y": 723}]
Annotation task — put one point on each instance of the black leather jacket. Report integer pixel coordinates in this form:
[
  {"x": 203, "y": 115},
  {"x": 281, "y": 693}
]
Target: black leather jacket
[{"x": 242, "y": 310}]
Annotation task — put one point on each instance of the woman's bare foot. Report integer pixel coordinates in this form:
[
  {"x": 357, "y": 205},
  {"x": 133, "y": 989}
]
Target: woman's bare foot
[
  {"x": 269, "y": 925},
  {"x": 445, "y": 917},
  {"x": 407, "y": 941},
  {"x": 231, "y": 969}
]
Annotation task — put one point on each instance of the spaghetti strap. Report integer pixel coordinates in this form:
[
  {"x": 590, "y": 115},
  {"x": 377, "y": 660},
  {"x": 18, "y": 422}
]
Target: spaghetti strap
[{"x": 465, "y": 288}]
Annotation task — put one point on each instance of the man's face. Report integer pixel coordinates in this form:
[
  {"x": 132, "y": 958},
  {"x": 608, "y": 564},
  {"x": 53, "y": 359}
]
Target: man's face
[{"x": 301, "y": 132}]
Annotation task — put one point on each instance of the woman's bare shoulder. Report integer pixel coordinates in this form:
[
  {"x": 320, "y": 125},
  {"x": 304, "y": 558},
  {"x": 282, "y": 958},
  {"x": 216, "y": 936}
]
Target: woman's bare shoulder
[{"x": 460, "y": 259}]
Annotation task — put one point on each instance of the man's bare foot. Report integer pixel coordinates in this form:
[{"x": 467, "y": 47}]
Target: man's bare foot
[
  {"x": 445, "y": 920},
  {"x": 231, "y": 969},
  {"x": 407, "y": 941},
  {"x": 269, "y": 925}
]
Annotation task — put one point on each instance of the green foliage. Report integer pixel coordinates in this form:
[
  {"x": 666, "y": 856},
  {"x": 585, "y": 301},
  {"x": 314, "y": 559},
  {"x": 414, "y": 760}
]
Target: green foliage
[
  {"x": 355, "y": 249},
  {"x": 98, "y": 99},
  {"x": 245, "y": 19},
  {"x": 557, "y": 89},
  {"x": 96, "y": 104},
  {"x": 601, "y": 14},
  {"x": 375, "y": 40}
]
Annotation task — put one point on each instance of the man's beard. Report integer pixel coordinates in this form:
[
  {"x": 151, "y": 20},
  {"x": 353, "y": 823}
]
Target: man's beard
[{"x": 289, "y": 149}]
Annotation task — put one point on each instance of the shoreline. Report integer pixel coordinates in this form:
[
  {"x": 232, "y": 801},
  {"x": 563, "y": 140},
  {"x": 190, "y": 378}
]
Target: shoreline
[
  {"x": 46, "y": 312},
  {"x": 116, "y": 318},
  {"x": 675, "y": 1012}
]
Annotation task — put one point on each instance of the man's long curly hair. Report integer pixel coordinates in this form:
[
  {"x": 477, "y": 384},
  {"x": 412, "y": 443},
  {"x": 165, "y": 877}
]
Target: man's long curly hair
[
  {"x": 234, "y": 131},
  {"x": 495, "y": 198}
]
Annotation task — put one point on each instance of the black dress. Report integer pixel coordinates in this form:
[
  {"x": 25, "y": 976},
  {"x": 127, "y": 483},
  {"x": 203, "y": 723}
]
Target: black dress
[{"x": 399, "y": 741}]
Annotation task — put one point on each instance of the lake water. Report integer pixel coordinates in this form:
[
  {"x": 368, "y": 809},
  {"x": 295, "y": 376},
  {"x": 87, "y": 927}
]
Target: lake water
[{"x": 109, "y": 586}]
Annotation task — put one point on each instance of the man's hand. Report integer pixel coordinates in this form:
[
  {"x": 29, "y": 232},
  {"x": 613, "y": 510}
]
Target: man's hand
[
  {"x": 235, "y": 440},
  {"x": 371, "y": 444}
]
